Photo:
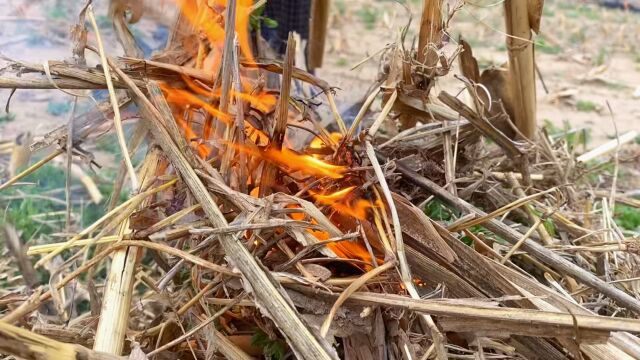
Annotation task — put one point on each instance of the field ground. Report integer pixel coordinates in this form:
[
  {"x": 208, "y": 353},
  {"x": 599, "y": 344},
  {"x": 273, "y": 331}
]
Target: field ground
[{"x": 588, "y": 56}]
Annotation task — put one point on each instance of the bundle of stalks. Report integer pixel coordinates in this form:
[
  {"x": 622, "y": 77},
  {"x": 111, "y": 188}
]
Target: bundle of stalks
[{"x": 250, "y": 230}]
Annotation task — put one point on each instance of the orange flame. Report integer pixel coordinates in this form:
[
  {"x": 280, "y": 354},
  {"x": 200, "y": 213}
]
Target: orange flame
[
  {"x": 318, "y": 143},
  {"x": 205, "y": 21},
  {"x": 263, "y": 101},
  {"x": 339, "y": 201},
  {"x": 203, "y": 150},
  {"x": 208, "y": 21},
  {"x": 293, "y": 161},
  {"x": 184, "y": 98},
  {"x": 343, "y": 249},
  {"x": 305, "y": 163}
]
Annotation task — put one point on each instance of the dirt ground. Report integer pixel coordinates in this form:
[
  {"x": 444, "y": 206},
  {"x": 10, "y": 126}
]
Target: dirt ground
[{"x": 588, "y": 56}]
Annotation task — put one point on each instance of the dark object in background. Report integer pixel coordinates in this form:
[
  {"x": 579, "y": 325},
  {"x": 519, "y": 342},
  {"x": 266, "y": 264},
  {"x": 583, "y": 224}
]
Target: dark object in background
[
  {"x": 633, "y": 5},
  {"x": 291, "y": 15}
]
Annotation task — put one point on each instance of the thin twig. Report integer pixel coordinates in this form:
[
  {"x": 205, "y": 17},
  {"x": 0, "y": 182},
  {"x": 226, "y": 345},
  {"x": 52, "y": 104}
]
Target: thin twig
[
  {"x": 114, "y": 102},
  {"x": 200, "y": 326},
  {"x": 350, "y": 290}
]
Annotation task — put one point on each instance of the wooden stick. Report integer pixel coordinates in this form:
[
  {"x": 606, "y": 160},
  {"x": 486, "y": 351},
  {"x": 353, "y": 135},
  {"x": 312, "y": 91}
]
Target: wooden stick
[
  {"x": 270, "y": 171},
  {"x": 405, "y": 272},
  {"x": 239, "y": 125},
  {"x": 608, "y": 147},
  {"x": 31, "y": 346},
  {"x": 114, "y": 103},
  {"x": 318, "y": 32},
  {"x": 518, "y": 176},
  {"x": 226, "y": 73},
  {"x": 533, "y": 218},
  {"x": 87, "y": 181},
  {"x": 355, "y": 286},
  {"x": 31, "y": 169},
  {"x": 431, "y": 25},
  {"x": 383, "y": 114},
  {"x": 440, "y": 307},
  {"x": 362, "y": 112},
  {"x": 536, "y": 250},
  {"x": 521, "y": 66},
  {"x": 227, "y": 348},
  {"x": 18, "y": 250},
  {"x": 116, "y": 301}
]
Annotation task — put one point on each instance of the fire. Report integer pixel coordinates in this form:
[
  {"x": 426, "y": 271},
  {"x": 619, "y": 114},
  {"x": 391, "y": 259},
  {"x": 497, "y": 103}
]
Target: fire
[
  {"x": 263, "y": 101},
  {"x": 305, "y": 163},
  {"x": 317, "y": 142},
  {"x": 185, "y": 98},
  {"x": 340, "y": 201},
  {"x": 291, "y": 161},
  {"x": 203, "y": 150},
  {"x": 208, "y": 22},
  {"x": 346, "y": 204}
]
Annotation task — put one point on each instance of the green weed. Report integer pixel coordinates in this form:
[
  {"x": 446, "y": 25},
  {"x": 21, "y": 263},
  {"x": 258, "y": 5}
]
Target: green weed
[
  {"x": 49, "y": 177},
  {"x": 257, "y": 19},
  {"x": 601, "y": 58},
  {"x": 368, "y": 16},
  {"x": 543, "y": 46},
  {"x": 571, "y": 137},
  {"x": 580, "y": 11},
  {"x": 7, "y": 117},
  {"x": 627, "y": 217},
  {"x": 20, "y": 212},
  {"x": 438, "y": 211},
  {"x": 274, "y": 349},
  {"x": 586, "y": 106},
  {"x": 57, "y": 108}
]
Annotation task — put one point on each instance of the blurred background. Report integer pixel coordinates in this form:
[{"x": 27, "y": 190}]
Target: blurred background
[{"x": 587, "y": 53}]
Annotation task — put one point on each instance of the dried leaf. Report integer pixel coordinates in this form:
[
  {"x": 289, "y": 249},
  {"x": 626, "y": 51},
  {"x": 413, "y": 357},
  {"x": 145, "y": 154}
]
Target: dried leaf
[
  {"x": 418, "y": 226},
  {"x": 534, "y": 9}
]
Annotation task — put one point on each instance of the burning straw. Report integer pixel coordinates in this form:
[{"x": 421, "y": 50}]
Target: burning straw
[{"x": 248, "y": 241}]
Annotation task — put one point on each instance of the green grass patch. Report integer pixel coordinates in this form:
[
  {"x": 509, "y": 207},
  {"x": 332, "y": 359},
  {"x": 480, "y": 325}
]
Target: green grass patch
[
  {"x": 543, "y": 46},
  {"x": 571, "y": 10},
  {"x": 627, "y": 217},
  {"x": 571, "y": 137},
  {"x": 57, "y": 108},
  {"x": 21, "y": 212},
  {"x": 586, "y": 106},
  {"x": 438, "y": 211},
  {"x": 7, "y": 117},
  {"x": 275, "y": 349},
  {"x": 601, "y": 57},
  {"x": 368, "y": 16}
]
